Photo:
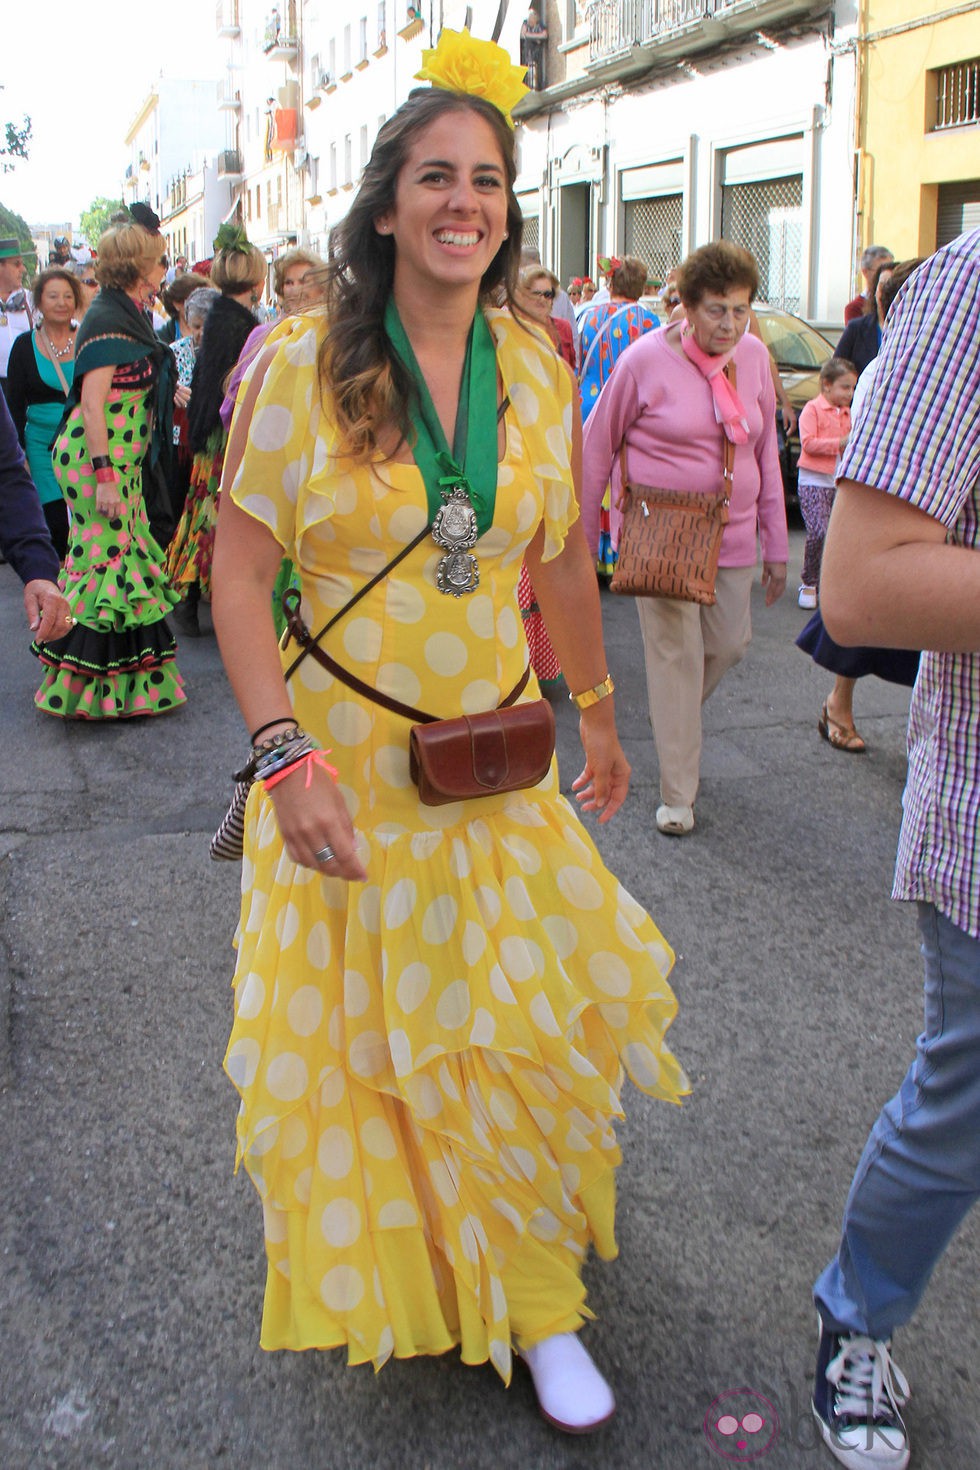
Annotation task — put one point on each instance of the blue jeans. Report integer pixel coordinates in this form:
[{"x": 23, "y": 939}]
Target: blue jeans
[{"x": 920, "y": 1170}]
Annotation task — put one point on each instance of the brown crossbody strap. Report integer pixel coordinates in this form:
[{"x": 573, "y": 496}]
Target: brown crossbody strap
[
  {"x": 310, "y": 643},
  {"x": 395, "y": 706},
  {"x": 728, "y": 452}
]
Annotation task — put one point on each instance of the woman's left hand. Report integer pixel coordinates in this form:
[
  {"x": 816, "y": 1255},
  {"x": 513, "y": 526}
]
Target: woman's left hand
[
  {"x": 605, "y": 778},
  {"x": 182, "y": 395},
  {"x": 773, "y": 580}
]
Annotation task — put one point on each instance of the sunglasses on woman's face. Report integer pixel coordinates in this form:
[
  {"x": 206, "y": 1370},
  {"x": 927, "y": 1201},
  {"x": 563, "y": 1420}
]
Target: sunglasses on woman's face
[{"x": 544, "y": 295}]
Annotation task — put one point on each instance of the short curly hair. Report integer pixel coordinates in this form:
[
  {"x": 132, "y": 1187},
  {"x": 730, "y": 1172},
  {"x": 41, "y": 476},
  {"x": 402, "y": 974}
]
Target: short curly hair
[
  {"x": 57, "y": 273},
  {"x": 126, "y": 253},
  {"x": 719, "y": 267}
]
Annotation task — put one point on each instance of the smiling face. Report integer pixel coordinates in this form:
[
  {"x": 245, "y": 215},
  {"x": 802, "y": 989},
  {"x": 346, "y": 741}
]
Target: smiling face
[
  {"x": 57, "y": 303},
  {"x": 718, "y": 321},
  {"x": 450, "y": 211}
]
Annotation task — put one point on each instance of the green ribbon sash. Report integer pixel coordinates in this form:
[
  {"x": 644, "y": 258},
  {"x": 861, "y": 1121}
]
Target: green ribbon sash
[{"x": 473, "y": 460}]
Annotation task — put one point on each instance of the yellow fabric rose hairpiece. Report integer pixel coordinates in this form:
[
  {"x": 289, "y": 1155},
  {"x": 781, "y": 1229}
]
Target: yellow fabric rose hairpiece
[{"x": 459, "y": 63}]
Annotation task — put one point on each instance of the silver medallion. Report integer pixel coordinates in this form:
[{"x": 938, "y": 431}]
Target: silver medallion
[
  {"x": 458, "y": 573},
  {"x": 455, "y": 525},
  {"x": 455, "y": 528}
]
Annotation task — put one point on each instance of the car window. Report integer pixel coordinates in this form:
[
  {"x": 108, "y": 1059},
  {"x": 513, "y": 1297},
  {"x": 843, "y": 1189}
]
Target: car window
[{"x": 792, "y": 342}]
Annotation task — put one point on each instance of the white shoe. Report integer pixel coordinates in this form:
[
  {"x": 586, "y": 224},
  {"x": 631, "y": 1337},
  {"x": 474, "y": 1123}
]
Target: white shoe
[
  {"x": 572, "y": 1393},
  {"x": 807, "y": 597},
  {"x": 675, "y": 821}
]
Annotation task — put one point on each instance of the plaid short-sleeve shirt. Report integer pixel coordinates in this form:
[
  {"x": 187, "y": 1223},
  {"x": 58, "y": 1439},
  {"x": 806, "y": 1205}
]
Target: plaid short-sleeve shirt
[{"x": 918, "y": 437}]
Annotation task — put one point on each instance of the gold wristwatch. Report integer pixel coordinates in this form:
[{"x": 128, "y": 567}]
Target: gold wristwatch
[{"x": 588, "y": 697}]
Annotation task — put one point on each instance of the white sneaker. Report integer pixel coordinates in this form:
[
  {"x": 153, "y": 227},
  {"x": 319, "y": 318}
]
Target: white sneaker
[
  {"x": 807, "y": 597},
  {"x": 858, "y": 1394},
  {"x": 675, "y": 821},
  {"x": 572, "y": 1393}
]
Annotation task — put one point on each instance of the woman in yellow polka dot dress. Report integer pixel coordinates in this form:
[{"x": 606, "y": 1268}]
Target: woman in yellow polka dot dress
[{"x": 433, "y": 1005}]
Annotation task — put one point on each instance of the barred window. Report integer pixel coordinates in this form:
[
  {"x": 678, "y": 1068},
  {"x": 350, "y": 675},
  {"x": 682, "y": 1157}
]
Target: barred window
[
  {"x": 654, "y": 233},
  {"x": 767, "y": 220},
  {"x": 957, "y": 94},
  {"x": 531, "y": 237}
]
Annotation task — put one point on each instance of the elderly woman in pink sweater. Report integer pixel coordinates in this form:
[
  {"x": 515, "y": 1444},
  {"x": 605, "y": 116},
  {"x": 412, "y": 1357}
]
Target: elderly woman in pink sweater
[{"x": 669, "y": 400}]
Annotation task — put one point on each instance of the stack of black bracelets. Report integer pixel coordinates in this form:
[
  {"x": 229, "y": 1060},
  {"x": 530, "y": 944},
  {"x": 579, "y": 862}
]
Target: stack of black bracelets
[{"x": 282, "y": 750}]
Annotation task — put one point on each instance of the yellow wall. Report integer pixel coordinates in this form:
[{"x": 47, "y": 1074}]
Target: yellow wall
[{"x": 902, "y": 163}]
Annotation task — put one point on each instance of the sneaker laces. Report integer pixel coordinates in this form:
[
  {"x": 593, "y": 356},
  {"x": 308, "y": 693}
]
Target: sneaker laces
[{"x": 864, "y": 1373}]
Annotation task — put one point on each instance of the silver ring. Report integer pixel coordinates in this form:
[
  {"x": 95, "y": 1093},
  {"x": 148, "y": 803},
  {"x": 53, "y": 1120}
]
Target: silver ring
[{"x": 325, "y": 855}]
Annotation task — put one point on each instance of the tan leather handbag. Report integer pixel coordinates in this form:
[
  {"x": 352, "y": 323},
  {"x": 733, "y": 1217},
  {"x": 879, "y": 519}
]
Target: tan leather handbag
[{"x": 671, "y": 539}]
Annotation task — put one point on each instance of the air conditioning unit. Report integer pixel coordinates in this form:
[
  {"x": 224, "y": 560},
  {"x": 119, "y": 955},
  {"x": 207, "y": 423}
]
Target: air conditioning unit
[{"x": 324, "y": 80}]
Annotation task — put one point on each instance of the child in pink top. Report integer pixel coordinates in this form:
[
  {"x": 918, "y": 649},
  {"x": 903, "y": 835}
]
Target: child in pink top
[{"x": 825, "y": 424}]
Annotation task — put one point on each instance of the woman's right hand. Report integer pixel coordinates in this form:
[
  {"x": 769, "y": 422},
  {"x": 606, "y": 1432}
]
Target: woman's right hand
[
  {"x": 108, "y": 500},
  {"x": 312, "y": 817}
]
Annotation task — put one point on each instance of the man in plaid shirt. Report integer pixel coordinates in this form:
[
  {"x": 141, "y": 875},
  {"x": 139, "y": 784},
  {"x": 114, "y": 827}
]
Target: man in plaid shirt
[{"x": 901, "y": 569}]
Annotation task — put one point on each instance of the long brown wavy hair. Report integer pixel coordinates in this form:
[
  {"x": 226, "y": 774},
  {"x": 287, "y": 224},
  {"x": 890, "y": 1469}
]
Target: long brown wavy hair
[{"x": 369, "y": 388}]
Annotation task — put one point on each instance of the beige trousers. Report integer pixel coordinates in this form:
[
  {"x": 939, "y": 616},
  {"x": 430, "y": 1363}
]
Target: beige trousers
[{"x": 687, "y": 648}]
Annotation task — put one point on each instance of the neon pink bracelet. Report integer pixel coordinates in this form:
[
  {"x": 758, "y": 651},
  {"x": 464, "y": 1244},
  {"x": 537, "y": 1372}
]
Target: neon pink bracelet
[{"x": 309, "y": 760}]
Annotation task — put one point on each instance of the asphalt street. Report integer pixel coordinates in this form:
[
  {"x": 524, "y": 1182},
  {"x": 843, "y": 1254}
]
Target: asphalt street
[{"x": 133, "y": 1268}]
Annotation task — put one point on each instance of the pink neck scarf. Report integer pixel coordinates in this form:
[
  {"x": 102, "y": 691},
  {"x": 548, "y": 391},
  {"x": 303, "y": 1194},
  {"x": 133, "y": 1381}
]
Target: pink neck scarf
[{"x": 729, "y": 410}]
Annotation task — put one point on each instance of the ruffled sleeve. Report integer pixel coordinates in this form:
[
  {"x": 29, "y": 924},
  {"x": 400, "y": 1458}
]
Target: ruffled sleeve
[
  {"x": 542, "y": 394},
  {"x": 280, "y": 480}
]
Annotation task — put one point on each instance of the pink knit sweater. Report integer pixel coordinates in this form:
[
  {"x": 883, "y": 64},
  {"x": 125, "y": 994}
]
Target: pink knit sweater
[{"x": 664, "y": 407}]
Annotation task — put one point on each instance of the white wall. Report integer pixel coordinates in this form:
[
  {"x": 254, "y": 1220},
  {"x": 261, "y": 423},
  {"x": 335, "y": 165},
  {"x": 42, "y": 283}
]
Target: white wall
[{"x": 754, "y": 98}]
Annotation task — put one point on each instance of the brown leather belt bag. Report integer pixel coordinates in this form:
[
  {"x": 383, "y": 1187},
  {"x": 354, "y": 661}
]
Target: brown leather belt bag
[{"x": 504, "y": 749}]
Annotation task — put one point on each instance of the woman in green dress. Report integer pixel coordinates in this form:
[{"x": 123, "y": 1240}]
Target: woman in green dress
[{"x": 117, "y": 660}]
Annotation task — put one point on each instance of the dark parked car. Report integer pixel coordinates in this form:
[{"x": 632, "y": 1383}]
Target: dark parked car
[{"x": 799, "y": 351}]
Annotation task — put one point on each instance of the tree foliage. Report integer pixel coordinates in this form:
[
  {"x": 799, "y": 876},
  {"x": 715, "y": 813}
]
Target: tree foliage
[
  {"x": 14, "y": 226},
  {"x": 15, "y": 145},
  {"x": 94, "y": 221}
]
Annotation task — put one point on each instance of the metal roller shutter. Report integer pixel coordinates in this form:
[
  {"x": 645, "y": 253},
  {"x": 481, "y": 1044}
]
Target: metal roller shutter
[{"x": 958, "y": 210}]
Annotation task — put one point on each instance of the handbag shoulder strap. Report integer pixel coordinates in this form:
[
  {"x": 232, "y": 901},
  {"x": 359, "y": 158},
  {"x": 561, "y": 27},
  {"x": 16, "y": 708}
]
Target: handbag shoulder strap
[
  {"x": 596, "y": 339},
  {"x": 728, "y": 450},
  {"x": 55, "y": 364},
  {"x": 292, "y": 599},
  {"x": 728, "y": 447}
]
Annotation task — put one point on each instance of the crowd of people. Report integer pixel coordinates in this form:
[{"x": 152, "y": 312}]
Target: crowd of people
[{"x": 442, "y": 993}]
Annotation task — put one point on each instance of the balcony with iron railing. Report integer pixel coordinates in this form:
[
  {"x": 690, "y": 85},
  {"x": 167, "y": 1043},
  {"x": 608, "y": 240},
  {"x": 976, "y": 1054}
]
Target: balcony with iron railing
[
  {"x": 229, "y": 163},
  {"x": 638, "y": 31}
]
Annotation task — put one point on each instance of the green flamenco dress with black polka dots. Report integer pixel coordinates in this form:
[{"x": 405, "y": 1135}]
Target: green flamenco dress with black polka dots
[{"x": 118, "y": 660}]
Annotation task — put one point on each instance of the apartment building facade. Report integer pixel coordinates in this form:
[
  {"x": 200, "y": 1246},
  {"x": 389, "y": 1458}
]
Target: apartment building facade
[
  {"x": 919, "y": 123},
  {"x": 674, "y": 122}
]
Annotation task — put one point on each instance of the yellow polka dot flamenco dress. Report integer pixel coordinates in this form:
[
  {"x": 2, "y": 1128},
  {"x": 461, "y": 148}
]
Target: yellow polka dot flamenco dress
[{"x": 430, "y": 1062}]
